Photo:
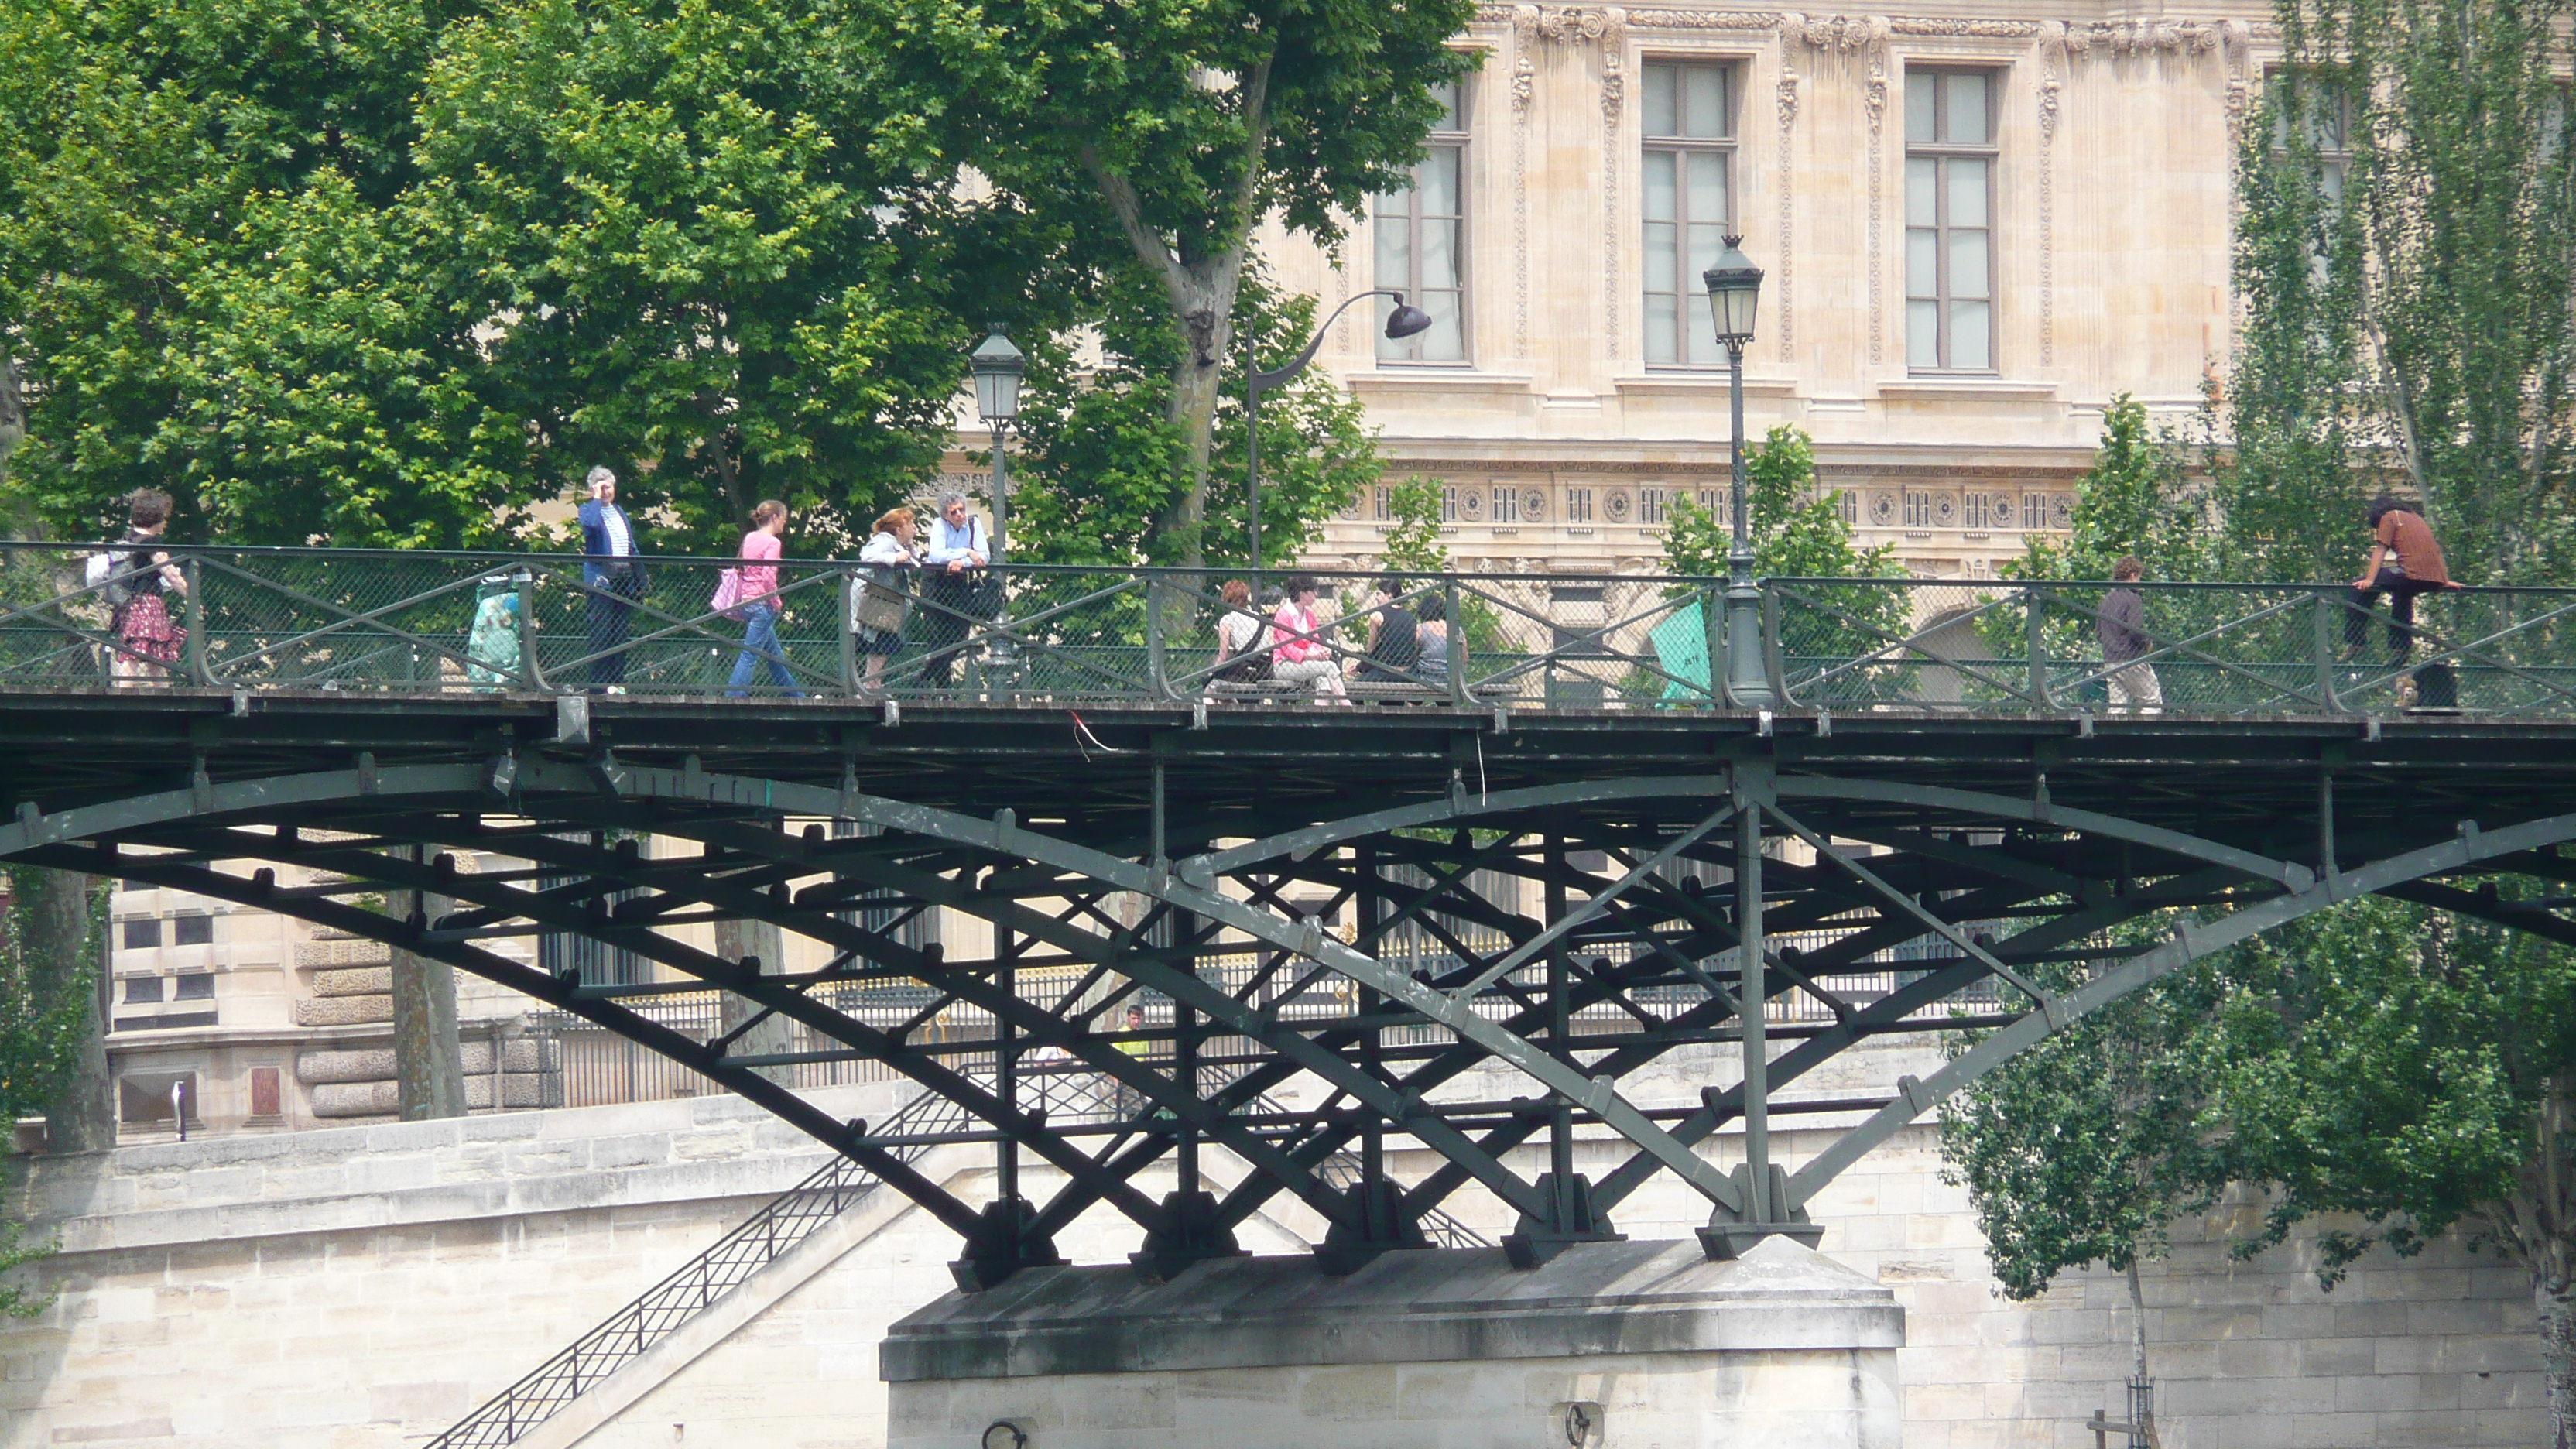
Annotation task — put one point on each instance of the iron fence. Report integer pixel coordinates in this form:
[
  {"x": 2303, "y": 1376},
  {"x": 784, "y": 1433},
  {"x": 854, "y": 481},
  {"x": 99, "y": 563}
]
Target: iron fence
[{"x": 429, "y": 622}]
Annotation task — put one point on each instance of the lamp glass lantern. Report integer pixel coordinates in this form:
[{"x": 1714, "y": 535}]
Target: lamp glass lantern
[
  {"x": 1734, "y": 289},
  {"x": 997, "y": 366}
]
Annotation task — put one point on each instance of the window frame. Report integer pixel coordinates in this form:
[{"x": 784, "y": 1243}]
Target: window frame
[
  {"x": 1729, "y": 144},
  {"x": 1941, "y": 154},
  {"x": 1407, "y": 352}
]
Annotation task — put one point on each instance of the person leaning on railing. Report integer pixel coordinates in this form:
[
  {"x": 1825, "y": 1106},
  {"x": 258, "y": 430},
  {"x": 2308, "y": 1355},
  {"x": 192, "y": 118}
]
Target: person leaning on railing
[
  {"x": 1296, "y": 656},
  {"x": 954, "y": 583},
  {"x": 881, "y": 606},
  {"x": 139, "y": 579}
]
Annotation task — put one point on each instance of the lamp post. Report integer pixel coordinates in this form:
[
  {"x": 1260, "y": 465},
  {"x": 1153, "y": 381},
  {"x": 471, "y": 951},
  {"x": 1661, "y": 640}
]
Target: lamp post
[
  {"x": 997, "y": 366},
  {"x": 1734, "y": 287},
  {"x": 1405, "y": 321}
]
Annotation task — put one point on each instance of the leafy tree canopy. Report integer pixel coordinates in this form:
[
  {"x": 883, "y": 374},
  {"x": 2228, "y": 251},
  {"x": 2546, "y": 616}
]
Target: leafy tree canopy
[
  {"x": 2132, "y": 502},
  {"x": 1098, "y": 469},
  {"x": 1796, "y": 531},
  {"x": 1171, "y": 128},
  {"x": 2408, "y": 199}
]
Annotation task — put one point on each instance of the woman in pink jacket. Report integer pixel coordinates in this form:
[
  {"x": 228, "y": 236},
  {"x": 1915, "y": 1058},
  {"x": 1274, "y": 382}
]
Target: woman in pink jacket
[{"x": 760, "y": 611}]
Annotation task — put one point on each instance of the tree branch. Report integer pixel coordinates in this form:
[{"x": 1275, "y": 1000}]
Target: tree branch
[{"x": 1130, "y": 211}]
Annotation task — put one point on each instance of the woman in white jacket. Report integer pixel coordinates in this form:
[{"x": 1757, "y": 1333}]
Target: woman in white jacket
[{"x": 889, "y": 551}]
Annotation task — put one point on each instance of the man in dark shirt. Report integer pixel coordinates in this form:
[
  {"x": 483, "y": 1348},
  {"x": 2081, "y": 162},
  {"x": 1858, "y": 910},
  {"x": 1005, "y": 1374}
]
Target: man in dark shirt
[
  {"x": 2404, "y": 562},
  {"x": 2121, "y": 627}
]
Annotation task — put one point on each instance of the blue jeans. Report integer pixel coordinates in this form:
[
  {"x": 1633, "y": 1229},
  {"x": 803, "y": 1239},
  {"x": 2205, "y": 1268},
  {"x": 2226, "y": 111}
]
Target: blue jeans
[{"x": 760, "y": 641}]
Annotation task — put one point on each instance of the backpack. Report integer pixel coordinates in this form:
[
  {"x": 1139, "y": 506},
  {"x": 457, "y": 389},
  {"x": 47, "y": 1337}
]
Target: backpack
[
  {"x": 1246, "y": 663},
  {"x": 103, "y": 574}
]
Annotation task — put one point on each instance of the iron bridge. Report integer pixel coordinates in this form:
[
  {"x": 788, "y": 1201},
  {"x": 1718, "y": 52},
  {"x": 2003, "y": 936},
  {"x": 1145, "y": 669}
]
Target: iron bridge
[{"x": 1371, "y": 904}]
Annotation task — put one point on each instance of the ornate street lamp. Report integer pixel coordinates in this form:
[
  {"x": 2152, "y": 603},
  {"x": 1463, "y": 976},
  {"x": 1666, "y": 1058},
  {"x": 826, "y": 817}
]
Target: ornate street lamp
[
  {"x": 1734, "y": 290},
  {"x": 997, "y": 366},
  {"x": 1405, "y": 321}
]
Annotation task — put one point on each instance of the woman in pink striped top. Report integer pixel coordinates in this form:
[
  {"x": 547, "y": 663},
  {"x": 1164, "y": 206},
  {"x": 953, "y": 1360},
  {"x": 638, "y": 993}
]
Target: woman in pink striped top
[{"x": 760, "y": 610}]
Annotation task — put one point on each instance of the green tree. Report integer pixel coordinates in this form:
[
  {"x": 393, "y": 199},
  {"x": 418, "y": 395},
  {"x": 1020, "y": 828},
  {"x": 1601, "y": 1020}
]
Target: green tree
[
  {"x": 2416, "y": 1069},
  {"x": 707, "y": 249},
  {"x": 210, "y": 285},
  {"x": 2405, "y": 252},
  {"x": 2132, "y": 501},
  {"x": 2085, "y": 1148},
  {"x": 1175, "y": 128},
  {"x": 1099, "y": 467},
  {"x": 1413, "y": 544},
  {"x": 1796, "y": 530}
]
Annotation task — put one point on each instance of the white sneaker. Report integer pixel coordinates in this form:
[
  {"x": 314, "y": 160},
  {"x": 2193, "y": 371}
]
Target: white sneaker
[{"x": 617, "y": 689}]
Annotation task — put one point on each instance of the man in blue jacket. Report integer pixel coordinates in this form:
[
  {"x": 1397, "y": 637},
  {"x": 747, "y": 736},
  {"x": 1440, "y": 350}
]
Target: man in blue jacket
[{"x": 615, "y": 575}]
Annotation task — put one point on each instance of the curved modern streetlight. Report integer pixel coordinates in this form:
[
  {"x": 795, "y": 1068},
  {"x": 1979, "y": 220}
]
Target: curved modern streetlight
[
  {"x": 1405, "y": 321},
  {"x": 1734, "y": 289}
]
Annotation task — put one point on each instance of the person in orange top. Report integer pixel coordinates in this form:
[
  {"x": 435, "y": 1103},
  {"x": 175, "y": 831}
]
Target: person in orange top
[{"x": 2404, "y": 562}]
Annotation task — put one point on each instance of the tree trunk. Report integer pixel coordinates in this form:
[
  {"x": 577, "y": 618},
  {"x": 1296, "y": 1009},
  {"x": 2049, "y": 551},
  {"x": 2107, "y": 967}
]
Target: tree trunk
[
  {"x": 429, "y": 1062},
  {"x": 736, "y": 940},
  {"x": 2138, "y": 1352},
  {"x": 63, "y": 920},
  {"x": 13, "y": 412},
  {"x": 2557, "y": 1307}
]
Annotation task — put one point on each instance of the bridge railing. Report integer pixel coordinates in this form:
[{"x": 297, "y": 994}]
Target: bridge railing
[{"x": 460, "y": 622}]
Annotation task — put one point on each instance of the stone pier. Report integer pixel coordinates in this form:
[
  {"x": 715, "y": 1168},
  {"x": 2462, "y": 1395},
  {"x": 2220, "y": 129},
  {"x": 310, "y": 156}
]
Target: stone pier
[{"x": 1609, "y": 1346}]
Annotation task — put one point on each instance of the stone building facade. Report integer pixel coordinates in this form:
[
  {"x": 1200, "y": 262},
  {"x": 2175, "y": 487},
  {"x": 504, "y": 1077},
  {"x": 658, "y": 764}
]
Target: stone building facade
[{"x": 1978, "y": 223}]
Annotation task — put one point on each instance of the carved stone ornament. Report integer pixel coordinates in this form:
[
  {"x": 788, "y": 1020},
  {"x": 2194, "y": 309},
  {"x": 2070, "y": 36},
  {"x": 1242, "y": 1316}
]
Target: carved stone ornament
[
  {"x": 1615, "y": 505},
  {"x": 1533, "y": 505}
]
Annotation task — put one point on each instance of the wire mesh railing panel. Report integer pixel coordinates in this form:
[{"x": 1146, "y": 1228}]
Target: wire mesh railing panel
[{"x": 431, "y": 622}]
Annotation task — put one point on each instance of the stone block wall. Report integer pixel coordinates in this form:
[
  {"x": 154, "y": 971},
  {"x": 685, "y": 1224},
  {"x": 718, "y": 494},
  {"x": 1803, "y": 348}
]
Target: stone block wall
[{"x": 362, "y": 1287}]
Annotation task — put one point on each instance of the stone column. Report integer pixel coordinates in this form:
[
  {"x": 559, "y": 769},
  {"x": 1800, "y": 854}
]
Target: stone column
[
  {"x": 736, "y": 940},
  {"x": 429, "y": 1065}
]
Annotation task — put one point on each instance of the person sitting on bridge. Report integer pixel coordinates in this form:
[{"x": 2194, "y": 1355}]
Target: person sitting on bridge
[
  {"x": 612, "y": 575},
  {"x": 1239, "y": 657},
  {"x": 2416, "y": 569},
  {"x": 1394, "y": 637},
  {"x": 1433, "y": 667},
  {"x": 1296, "y": 655},
  {"x": 2121, "y": 626}
]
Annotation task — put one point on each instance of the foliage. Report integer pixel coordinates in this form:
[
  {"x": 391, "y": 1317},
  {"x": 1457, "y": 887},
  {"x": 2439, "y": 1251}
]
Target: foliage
[
  {"x": 1413, "y": 544},
  {"x": 2085, "y": 1147},
  {"x": 2407, "y": 326},
  {"x": 1098, "y": 469},
  {"x": 706, "y": 253},
  {"x": 1167, "y": 130},
  {"x": 208, "y": 281},
  {"x": 2132, "y": 501},
  {"x": 1796, "y": 530}
]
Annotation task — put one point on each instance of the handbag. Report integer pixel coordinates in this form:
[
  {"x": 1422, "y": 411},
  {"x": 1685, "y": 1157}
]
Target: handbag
[
  {"x": 728, "y": 595},
  {"x": 879, "y": 609}
]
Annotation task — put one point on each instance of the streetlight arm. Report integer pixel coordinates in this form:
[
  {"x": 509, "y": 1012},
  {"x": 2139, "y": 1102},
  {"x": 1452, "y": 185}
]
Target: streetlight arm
[{"x": 1261, "y": 382}]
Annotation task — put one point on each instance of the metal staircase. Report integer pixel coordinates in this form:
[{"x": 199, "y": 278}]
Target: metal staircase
[{"x": 834, "y": 1189}]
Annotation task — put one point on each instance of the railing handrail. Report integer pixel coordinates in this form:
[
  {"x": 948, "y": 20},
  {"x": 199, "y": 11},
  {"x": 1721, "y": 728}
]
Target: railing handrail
[{"x": 1228, "y": 570}]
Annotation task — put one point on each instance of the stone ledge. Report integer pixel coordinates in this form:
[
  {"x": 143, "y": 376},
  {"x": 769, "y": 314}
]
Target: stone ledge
[{"x": 1427, "y": 1306}]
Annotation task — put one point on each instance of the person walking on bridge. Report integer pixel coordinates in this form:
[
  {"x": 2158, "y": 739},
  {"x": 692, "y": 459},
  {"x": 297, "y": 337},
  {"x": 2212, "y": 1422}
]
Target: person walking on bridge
[
  {"x": 614, "y": 576},
  {"x": 2121, "y": 628},
  {"x": 2404, "y": 562},
  {"x": 140, "y": 577},
  {"x": 761, "y": 612}
]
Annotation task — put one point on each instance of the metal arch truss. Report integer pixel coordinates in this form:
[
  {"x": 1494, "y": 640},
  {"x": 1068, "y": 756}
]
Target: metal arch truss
[{"x": 1572, "y": 933}]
